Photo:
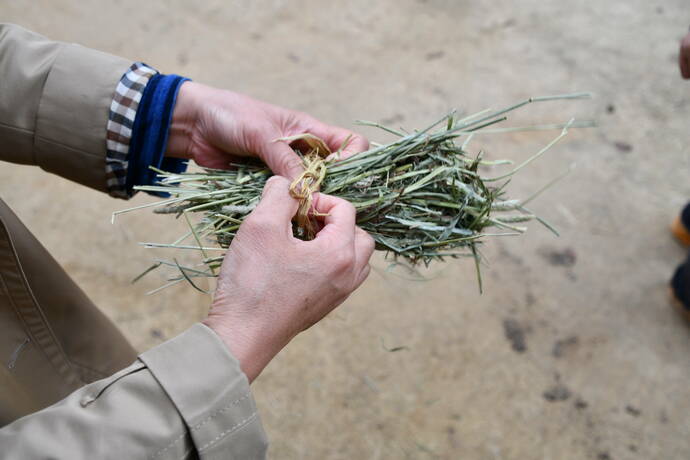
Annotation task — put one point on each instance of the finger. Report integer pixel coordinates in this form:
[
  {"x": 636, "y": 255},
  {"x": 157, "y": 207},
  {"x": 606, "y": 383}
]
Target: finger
[
  {"x": 282, "y": 160},
  {"x": 212, "y": 157},
  {"x": 364, "y": 248},
  {"x": 276, "y": 202},
  {"x": 335, "y": 137},
  {"x": 356, "y": 145},
  {"x": 339, "y": 220}
]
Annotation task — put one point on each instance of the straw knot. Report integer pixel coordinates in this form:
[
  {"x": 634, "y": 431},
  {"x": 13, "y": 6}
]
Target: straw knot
[{"x": 304, "y": 185}]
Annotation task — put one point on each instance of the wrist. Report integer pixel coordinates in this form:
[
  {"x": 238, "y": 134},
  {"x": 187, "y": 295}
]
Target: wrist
[
  {"x": 249, "y": 348},
  {"x": 184, "y": 117}
]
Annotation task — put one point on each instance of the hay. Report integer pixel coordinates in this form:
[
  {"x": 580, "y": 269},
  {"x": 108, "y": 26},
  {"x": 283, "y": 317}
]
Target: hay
[{"x": 421, "y": 197}]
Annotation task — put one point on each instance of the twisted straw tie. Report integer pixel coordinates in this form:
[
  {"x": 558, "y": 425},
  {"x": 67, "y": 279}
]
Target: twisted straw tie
[{"x": 304, "y": 186}]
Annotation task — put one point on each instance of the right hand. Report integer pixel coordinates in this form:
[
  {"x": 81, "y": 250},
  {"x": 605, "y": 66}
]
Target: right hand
[
  {"x": 272, "y": 286},
  {"x": 684, "y": 57}
]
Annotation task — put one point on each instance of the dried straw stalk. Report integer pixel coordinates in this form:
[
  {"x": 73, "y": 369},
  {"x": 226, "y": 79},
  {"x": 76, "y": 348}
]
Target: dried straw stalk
[{"x": 421, "y": 197}]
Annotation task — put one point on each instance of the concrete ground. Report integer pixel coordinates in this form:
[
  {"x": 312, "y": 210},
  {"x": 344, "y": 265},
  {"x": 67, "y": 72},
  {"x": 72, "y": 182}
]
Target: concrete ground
[{"x": 571, "y": 353}]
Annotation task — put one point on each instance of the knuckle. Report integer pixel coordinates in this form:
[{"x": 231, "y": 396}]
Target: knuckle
[
  {"x": 342, "y": 261},
  {"x": 288, "y": 163},
  {"x": 360, "y": 143},
  {"x": 248, "y": 226},
  {"x": 258, "y": 222},
  {"x": 272, "y": 180},
  {"x": 346, "y": 205},
  {"x": 370, "y": 243},
  {"x": 297, "y": 116},
  {"x": 275, "y": 189},
  {"x": 276, "y": 182}
]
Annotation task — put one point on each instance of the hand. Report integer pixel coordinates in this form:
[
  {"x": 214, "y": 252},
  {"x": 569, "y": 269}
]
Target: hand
[
  {"x": 214, "y": 127},
  {"x": 684, "y": 57},
  {"x": 273, "y": 286}
]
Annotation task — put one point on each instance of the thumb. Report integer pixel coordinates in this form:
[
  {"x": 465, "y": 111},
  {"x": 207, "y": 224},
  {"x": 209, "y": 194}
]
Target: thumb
[
  {"x": 282, "y": 160},
  {"x": 276, "y": 203}
]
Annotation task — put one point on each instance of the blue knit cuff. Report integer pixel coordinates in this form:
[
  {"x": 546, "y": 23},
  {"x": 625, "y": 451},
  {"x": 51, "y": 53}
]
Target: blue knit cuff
[{"x": 150, "y": 132}]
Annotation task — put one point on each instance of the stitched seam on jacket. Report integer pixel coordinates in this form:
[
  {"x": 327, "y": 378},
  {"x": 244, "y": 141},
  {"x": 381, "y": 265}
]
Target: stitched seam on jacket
[
  {"x": 16, "y": 128},
  {"x": 203, "y": 422},
  {"x": 230, "y": 430},
  {"x": 186, "y": 453},
  {"x": 36, "y": 336},
  {"x": 89, "y": 371},
  {"x": 29, "y": 328},
  {"x": 44, "y": 338},
  {"x": 174, "y": 441},
  {"x": 47, "y": 140},
  {"x": 219, "y": 411}
]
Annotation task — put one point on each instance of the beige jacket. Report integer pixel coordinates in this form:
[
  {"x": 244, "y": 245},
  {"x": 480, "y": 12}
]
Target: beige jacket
[{"x": 186, "y": 398}]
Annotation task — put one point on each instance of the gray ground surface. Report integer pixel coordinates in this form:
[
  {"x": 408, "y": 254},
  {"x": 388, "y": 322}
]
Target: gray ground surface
[{"x": 571, "y": 353}]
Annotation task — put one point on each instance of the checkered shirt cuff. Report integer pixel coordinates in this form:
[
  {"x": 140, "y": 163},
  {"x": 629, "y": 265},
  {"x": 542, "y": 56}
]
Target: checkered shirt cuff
[{"x": 123, "y": 110}]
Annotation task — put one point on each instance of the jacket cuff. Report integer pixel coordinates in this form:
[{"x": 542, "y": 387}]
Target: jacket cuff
[
  {"x": 123, "y": 112},
  {"x": 210, "y": 391},
  {"x": 71, "y": 143}
]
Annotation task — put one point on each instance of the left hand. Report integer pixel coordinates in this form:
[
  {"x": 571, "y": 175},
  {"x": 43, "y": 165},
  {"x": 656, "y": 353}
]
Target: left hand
[{"x": 214, "y": 127}]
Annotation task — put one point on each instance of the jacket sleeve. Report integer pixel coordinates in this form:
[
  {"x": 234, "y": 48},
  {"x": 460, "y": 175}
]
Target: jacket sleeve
[
  {"x": 54, "y": 101},
  {"x": 184, "y": 399}
]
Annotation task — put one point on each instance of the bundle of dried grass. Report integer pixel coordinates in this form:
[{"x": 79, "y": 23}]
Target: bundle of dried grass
[{"x": 421, "y": 197}]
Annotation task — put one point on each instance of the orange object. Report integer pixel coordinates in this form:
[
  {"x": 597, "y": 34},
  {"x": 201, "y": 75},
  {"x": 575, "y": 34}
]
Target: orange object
[{"x": 680, "y": 231}]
